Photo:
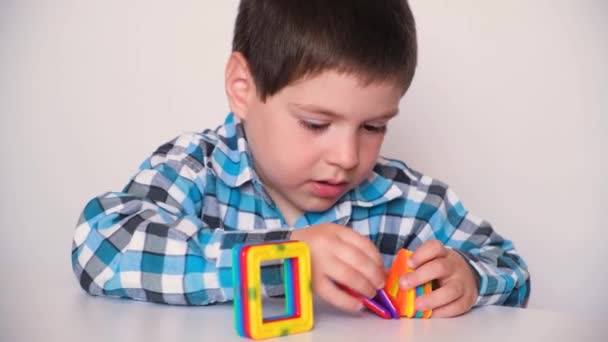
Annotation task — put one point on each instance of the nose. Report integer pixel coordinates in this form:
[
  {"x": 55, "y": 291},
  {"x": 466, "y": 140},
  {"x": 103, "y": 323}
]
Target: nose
[{"x": 344, "y": 152}]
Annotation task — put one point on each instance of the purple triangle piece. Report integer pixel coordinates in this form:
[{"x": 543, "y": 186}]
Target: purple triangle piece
[
  {"x": 377, "y": 308},
  {"x": 383, "y": 299}
]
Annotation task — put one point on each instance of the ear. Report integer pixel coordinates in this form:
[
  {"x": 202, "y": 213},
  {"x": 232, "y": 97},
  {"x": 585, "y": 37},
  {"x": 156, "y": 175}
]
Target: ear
[{"x": 240, "y": 87}]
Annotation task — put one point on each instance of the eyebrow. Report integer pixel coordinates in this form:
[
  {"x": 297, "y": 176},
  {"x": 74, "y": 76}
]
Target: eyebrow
[{"x": 312, "y": 108}]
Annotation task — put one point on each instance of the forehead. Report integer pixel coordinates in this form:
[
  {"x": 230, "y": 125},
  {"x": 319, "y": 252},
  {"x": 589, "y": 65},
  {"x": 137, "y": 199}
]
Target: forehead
[
  {"x": 343, "y": 93},
  {"x": 347, "y": 78}
]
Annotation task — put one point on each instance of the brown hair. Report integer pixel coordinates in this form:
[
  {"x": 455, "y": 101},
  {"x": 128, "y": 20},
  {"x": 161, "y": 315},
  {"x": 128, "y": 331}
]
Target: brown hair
[{"x": 286, "y": 40}]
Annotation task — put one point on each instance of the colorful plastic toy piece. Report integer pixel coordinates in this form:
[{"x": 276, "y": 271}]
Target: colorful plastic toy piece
[
  {"x": 383, "y": 299},
  {"x": 403, "y": 300},
  {"x": 375, "y": 306},
  {"x": 246, "y": 275}
]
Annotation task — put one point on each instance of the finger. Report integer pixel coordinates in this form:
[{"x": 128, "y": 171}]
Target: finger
[
  {"x": 361, "y": 262},
  {"x": 434, "y": 269},
  {"x": 455, "y": 308},
  {"x": 443, "y": 296},
  {"x": 362, "y": 243},
  {"x": 347, "y": 275},
  {"x": 428, "y": 251},
  {"x": 329, "y": 292}
]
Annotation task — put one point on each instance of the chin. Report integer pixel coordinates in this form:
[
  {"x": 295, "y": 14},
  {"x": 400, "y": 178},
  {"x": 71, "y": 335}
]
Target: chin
[{"x": 319, "y": 205}]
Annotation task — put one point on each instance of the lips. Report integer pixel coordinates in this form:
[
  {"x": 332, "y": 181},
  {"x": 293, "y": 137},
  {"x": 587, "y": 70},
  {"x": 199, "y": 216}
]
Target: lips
[{"x": 329, "y": 188}]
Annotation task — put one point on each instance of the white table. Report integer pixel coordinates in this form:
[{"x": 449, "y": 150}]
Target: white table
[{"x": 61, "y": 311}]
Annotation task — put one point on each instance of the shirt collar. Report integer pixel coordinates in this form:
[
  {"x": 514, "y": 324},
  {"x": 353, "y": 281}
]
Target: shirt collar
[
  {"x": 231, "y": 160},
  {"x": 375, "y": 190}
]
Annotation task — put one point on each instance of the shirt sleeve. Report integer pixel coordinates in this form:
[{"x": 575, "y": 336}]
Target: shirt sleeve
[
  {"x": 502, "y": 273},
  {"x": 149, "y": 243}
]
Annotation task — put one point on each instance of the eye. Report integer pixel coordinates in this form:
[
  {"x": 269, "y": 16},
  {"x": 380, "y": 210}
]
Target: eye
[
  {"x": 312, "y": 126},
  {"x": 375, "y": 129}
]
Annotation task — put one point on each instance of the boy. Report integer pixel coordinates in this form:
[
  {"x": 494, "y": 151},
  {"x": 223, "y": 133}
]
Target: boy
[{"x": 311, "y": 86}]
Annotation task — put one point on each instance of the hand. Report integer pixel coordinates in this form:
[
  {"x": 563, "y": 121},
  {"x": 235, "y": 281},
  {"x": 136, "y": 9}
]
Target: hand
[
  {"x": 457, "y": 290},
  {"x": 339, "y": 254}
]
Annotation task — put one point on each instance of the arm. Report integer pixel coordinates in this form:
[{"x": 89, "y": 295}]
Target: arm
[
  {"x": 149, "y": 243},
  {"x": 503, "y": 276}
]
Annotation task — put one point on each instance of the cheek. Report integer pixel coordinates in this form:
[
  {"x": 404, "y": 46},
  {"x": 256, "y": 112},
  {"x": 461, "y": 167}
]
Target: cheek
[
  {"x": 296, "y": 153},
  {"x": 368, "y": 152},
  {"x": 289, "y": 153}
]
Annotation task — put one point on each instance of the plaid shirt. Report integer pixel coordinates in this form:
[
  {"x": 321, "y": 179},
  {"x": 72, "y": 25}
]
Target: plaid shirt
[{"x": 167, "y": 237}]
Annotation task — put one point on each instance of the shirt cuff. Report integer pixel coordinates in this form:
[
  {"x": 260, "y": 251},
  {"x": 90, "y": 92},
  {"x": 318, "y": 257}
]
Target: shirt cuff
[{"x": 480, "y": 278}]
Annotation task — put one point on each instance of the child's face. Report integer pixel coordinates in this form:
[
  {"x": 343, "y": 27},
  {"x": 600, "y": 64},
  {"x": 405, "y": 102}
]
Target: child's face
[{"x": 318, "y": 138}]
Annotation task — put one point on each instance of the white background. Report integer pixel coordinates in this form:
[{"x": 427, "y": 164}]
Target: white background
[{"x": 509, "y": 106}]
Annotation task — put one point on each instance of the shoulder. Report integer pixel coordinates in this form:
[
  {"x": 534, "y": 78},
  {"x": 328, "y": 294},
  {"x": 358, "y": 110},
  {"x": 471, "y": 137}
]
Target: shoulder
[
  {"x": 190, "y": 148},
  {"x": 414, "y": 184}
]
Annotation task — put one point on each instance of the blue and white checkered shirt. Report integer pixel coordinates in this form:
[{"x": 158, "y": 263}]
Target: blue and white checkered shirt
[{"x": 167, "y": 237}]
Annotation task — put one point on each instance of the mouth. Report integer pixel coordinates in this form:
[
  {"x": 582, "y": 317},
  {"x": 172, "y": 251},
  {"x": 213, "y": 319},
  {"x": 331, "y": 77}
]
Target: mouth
[
  {"x": 332, "y": 181},
  {"x": 330, "y": 188}
]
